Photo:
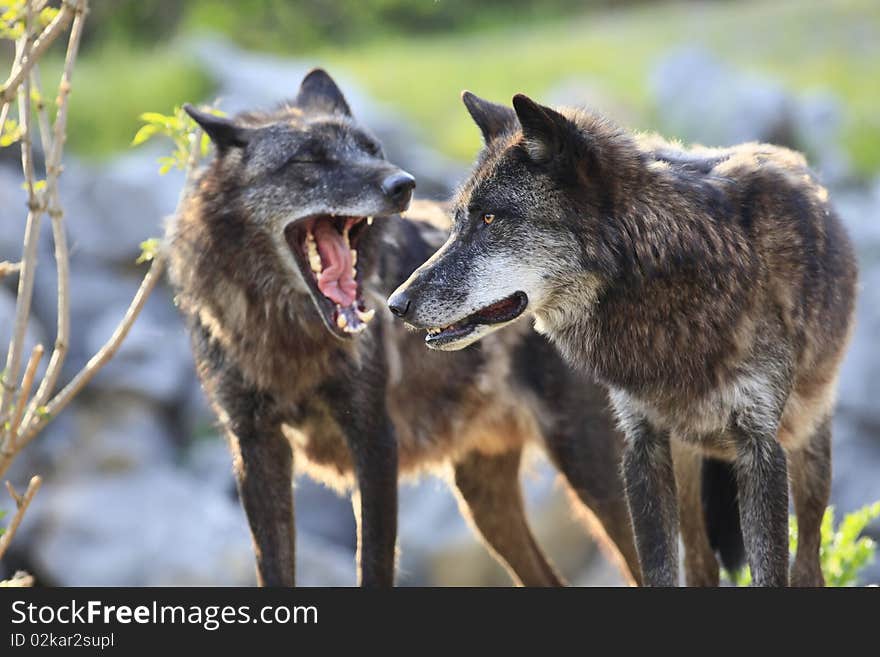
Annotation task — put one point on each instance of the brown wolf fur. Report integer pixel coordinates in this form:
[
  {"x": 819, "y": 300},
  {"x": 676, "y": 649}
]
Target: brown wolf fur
[
  {"x": 711, "y": 290},
  {"x": 355, "y": 410}
]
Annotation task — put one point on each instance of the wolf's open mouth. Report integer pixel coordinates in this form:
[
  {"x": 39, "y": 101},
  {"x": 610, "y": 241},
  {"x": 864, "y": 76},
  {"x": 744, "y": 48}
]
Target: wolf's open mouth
[
  {"x": 325, "y": 249},
  {"x": 499, "y": 312}
]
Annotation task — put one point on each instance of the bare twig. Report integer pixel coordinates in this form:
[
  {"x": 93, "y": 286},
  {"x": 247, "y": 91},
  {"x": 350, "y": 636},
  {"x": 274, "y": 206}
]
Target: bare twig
[
  {"x": 27, "y": 419},
  {"x": 26, "y": 384},
  {"x": 97, "y": 361},
  {"x": 7, "y": 268},
  {"x": 32, "y": 236},
  {"x": 56, "y": 214},
  {"x": 22, "y": 502}
]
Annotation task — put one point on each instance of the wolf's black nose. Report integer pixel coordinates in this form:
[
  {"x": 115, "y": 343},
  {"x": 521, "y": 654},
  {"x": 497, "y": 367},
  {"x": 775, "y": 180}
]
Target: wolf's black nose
[
  {"x": 398, "y": 304},
  {"x": 398, "y": 187}
]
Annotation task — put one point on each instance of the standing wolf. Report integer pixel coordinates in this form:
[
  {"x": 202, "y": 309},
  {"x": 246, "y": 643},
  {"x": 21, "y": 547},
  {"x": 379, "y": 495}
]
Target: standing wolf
[
  {"x": 279, "y": 268},
  {"x": 711, "y": 290}
]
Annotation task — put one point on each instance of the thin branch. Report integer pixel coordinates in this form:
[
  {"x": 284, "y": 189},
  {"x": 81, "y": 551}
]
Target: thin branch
[
  {"x": 97, "y": 361},
  {"x": 7, "y": 268},
  {"x": 56, "y": 214},
  {"x": 32, "y": 236},
  {"x": 47, "y": 36},
  {"x": 42, "y": 114},
  {"x": 26, "y": 384},
  {"x": 33, "y": 426},
  {"x": 22, "y": 502}
]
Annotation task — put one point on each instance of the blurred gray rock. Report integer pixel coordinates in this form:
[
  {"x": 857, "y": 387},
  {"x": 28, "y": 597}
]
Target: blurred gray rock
[
  {"x": 699, "y": 98},
  {"x": 118, "y": 435},
  {"x": 324, "y": 514},
  {"x": 154, "y": 360},
  {"x": 156, "y": 527},
  {"x": 111, "y": 208},
  {"x": 859, "y": 209},
  {"x": 250, "y": 80}
]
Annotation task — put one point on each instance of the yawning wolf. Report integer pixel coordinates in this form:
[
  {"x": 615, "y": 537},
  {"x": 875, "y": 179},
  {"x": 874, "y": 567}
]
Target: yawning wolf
[
  {"x": 711, "y": 290},
  {"x": 282, "y": 273}
]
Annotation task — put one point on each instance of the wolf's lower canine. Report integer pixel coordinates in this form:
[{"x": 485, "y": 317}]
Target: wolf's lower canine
[
  {"x": 279, "y": 268},
  {"x": 711, "y": 290}
]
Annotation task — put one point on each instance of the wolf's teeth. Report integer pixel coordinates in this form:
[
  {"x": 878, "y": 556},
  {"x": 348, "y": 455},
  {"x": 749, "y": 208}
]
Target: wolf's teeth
[
  {"x": 345, "y": 236},
  {"x": 369, "y": 221},
  {"x": 354, "y": 257},
  {"x": 341, "y": 322},
  {"x": 314, "y": 256},
  {"x": 366, "y": 315}
]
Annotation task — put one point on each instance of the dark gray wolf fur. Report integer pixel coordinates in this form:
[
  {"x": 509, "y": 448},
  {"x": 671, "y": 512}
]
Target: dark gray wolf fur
[
  {"x": 711, "y": 290},
  {"x": 295, "y": 364}
]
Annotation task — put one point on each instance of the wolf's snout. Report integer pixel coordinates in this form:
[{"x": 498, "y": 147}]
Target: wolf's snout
[
  {"x": 398, "y": 188},
  {"x": 399, "y": 304}
]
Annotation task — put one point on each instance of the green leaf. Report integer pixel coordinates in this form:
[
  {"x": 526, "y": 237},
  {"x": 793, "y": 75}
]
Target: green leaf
[
  {"x": 145, "y": 132},
  {"x": 39, "y": 185},
  {"x": 10, "y": 133},
  {"x": 166, "y": 164},
  {"x": 47, "y": 15},
  {"x": 149, "y": 250}
]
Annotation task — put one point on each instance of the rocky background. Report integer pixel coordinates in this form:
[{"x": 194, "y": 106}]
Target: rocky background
[{"x": 138, "y": 487}]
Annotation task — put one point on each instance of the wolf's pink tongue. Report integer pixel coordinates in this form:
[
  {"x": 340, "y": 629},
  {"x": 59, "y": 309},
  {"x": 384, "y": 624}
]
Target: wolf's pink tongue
[{"x": 335, "y": 281}]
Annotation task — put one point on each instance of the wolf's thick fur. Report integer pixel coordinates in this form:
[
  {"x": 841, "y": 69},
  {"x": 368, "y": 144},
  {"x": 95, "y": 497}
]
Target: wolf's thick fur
[
  {"x": 711, "y": 290},
  {"x": 356, "y": 412}
]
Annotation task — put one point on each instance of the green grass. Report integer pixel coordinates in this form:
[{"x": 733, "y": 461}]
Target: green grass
[
  {"x": 112, "y": 86},
  {"x": 808, "y": 45},
  {"x": 833, "y": 46}
]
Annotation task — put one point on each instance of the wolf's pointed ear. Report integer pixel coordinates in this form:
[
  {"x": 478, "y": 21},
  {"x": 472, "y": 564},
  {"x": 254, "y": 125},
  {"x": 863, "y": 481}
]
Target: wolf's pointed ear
[
  {"x": 545, "y": 130},
  {"x": 222, "y": 131},
  {"x": 319, "y": 91},
  {"x": 492, "y": 119}
]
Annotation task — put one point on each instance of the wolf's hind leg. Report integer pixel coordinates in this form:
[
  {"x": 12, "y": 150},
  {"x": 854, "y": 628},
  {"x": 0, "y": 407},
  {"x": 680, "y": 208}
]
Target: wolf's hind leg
[
  {"x": 590, "y": 464},
  {"x": 490, "y": 498},
  {"x": 263, "y": 460},
  {"x": 762, "y": 482},
  {"x": 810, "y": 475},
  {"x": 700, "y": 562}
]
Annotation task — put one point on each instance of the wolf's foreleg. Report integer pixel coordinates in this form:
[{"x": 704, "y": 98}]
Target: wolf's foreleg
[
  {"x": 375, "y": 504},
  {"x": 651, "y": 496},
  {"x": 263, "y": 464}
]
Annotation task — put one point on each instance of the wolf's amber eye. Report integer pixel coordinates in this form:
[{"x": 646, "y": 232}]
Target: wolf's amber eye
[{"x": 488, "y": 218}]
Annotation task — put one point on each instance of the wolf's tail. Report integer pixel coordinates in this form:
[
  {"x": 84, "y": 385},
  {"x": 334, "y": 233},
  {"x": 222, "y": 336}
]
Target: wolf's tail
[{"x": 721, "y": 511}]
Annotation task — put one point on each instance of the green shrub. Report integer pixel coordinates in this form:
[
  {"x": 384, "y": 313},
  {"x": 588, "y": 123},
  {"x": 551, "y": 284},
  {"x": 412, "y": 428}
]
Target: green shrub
[{"x": 843, "y": 553}]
